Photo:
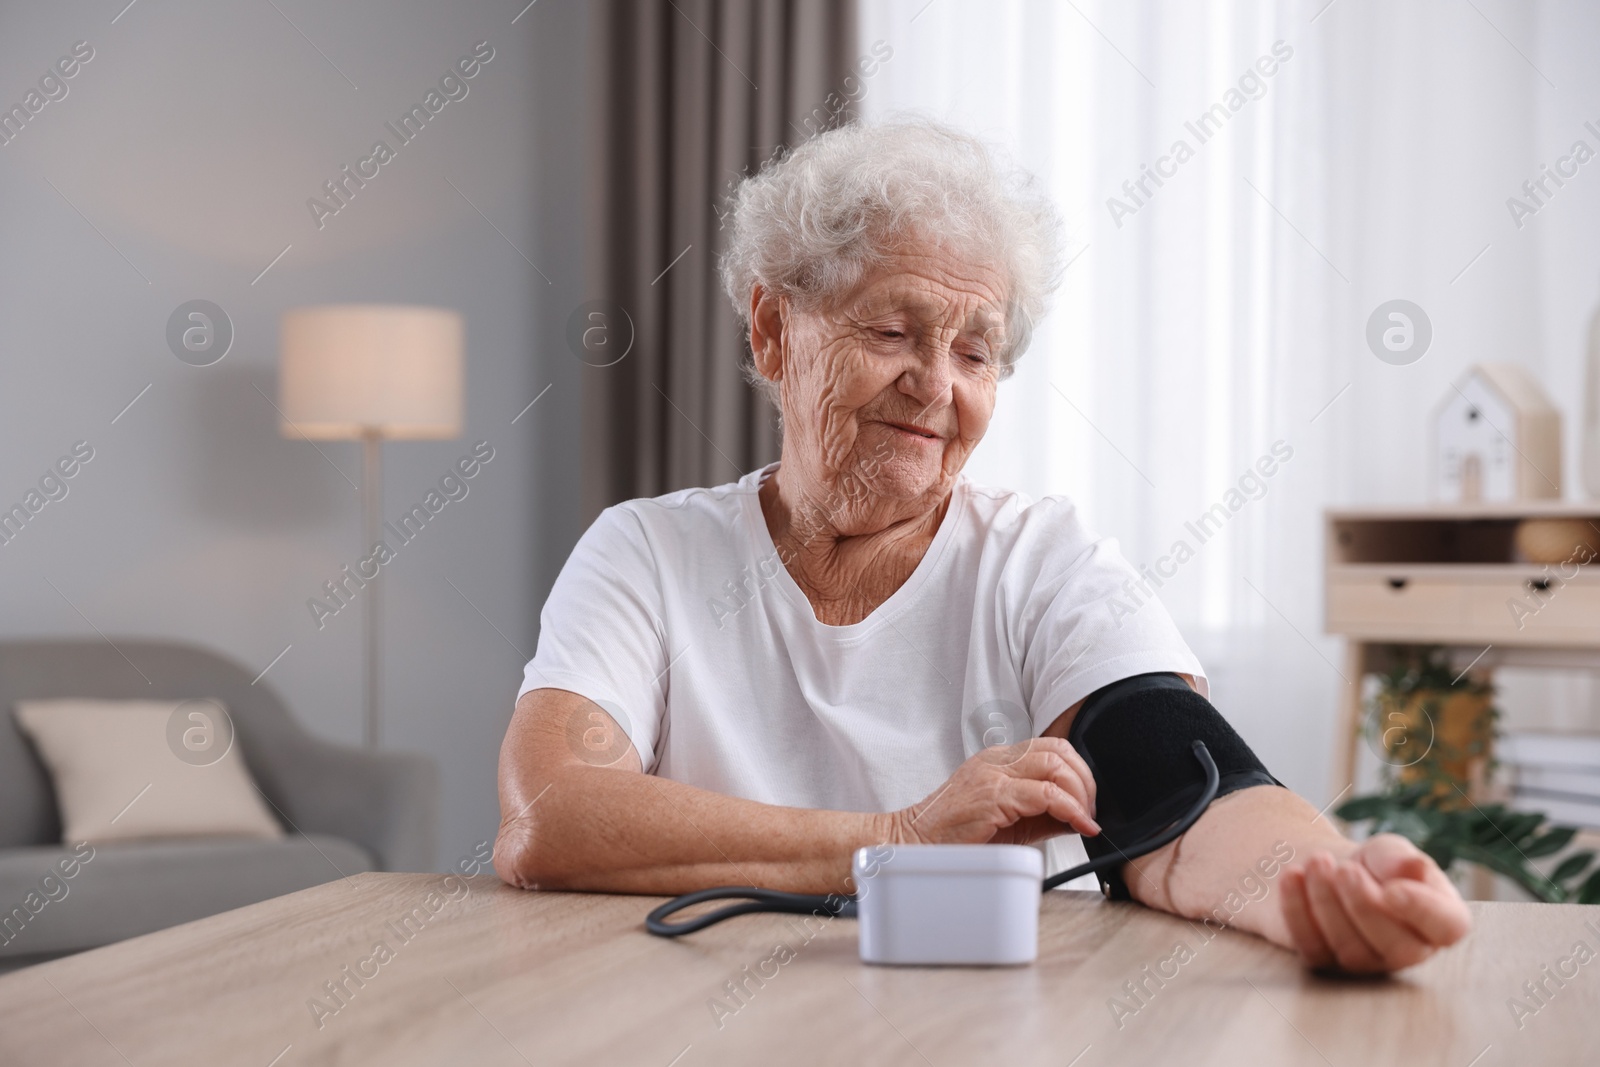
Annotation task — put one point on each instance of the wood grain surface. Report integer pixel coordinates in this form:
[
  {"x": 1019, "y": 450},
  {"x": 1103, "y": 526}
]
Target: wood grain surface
[{"x": 487, "y": 975}]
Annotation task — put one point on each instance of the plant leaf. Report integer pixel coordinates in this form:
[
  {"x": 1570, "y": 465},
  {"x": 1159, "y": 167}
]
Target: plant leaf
[
  {"x": 1485, "y": 829},
  {"x": 1589, "y": 893},
  {"x": 1358, "y": 809},
  {"x": 1500, "y": 827},
  {"x": 1440, "y": 853},
  {"x": 1411, "y": 825},
  {"x": 1521, "y": 826},
  {"x": 1571, "y": 867},
  {"x": 1550, "y": 842},
  {"x": 1537, "y": 885}
]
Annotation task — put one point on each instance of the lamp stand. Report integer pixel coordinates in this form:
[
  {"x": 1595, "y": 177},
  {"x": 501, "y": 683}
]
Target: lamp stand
[{"x": 372, "y": 614}]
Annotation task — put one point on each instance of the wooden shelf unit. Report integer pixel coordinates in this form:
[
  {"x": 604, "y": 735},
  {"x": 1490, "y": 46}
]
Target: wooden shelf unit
[{"x": 1448, "y": 575}]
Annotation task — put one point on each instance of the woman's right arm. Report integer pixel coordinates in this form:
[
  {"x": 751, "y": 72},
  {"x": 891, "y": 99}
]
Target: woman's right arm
[{"x": 568, "y": 823}]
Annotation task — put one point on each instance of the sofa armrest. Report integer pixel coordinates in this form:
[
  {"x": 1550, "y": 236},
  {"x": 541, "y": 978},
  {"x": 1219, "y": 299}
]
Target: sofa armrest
[{"x": 387, "y": 802}]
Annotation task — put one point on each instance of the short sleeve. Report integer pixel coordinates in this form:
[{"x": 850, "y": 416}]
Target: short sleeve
[
  {"x": 1081, "y": 617},
  {"x": 600, "y": 633}
]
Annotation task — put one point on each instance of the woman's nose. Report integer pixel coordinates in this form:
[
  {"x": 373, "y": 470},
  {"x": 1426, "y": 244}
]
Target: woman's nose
[{"x": 929, "y": 381}]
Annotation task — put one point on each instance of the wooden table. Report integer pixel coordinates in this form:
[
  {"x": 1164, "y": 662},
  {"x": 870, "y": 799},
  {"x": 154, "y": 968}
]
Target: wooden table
[{"x": 501, "y": 976}]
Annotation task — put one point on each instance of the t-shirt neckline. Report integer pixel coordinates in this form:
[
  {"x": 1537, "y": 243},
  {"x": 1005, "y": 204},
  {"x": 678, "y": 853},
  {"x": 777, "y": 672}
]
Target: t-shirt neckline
[{"x": 766, "y": 548}]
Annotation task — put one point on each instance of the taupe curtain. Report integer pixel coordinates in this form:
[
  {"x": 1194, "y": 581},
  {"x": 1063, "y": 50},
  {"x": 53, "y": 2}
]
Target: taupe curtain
[{"x": 692, "y": 95}]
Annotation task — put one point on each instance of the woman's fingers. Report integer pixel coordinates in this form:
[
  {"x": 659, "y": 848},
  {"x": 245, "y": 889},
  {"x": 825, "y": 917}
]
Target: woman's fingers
[
  {"x": 1440, "y": 917},
  {"x": 1043, "y": 779},
  {"x": 1047, "y": 766},
  {"x": 1303, "y": 928},
  {"x": 1052, "y": 758},
  {"x": 1414, "y": 890},
  {"x": 1390, "y": 856},
  {"x": 1035, "y": 797},
  {"x": 1351, "y": 950},
  {"x": 1345, "y": 914},
  {"x": 1071, "y": 757},
  {"x": 1396, "y": 944}
]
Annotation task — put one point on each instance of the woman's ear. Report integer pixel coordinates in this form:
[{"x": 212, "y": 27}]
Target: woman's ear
[{"x": 767, "y": 313}]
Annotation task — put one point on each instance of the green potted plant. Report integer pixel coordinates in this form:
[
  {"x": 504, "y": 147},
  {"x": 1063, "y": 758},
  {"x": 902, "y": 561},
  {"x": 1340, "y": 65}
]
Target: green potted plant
[{"x": 1434, "y": 734}]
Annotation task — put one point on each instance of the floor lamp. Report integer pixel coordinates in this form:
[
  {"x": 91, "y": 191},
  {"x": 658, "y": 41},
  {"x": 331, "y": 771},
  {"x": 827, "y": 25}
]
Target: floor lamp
[{"x": 371, "y": 373}]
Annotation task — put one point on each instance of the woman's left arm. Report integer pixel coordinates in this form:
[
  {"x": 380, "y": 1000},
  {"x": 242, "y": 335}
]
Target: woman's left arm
[
  {"x": 1370, "y": 907},
  {"x": 1265, "y": 861}
]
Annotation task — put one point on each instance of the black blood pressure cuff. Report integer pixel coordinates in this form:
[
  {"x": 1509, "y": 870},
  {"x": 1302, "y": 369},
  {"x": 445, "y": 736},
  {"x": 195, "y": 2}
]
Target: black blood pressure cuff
[{"x": 1136, "y": 735}]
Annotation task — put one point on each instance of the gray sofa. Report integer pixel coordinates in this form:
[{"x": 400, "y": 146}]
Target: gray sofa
[{"x": 348, "y": 810}]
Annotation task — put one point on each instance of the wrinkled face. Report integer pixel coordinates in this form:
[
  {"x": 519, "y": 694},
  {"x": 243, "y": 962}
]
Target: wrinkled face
[{"x": 892, "y": 386}]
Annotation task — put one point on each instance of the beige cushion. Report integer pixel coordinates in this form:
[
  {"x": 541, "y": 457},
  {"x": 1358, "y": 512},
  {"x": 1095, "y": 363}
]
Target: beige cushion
[{"x": 126, "y": 769}]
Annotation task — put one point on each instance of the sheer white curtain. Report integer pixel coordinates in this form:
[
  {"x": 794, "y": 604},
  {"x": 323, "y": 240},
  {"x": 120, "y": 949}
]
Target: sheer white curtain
[{"x": 1191, "y": 338}]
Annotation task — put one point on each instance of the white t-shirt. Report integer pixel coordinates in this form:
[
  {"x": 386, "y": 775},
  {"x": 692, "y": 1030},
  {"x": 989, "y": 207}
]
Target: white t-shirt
[{"x": 678, "y": 617}]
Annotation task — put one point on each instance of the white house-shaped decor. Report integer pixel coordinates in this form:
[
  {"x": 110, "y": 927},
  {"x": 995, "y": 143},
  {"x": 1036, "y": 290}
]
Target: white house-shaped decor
[{"x": 1497, "y": 437}]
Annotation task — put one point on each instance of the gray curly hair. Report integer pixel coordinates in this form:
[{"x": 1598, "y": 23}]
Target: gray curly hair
[{"x": 810, "y": 224}]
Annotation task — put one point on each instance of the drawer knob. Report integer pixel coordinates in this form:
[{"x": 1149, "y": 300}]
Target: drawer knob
[
  {"x": 1539, "y": 585},
  {"x": 1398, "y": 583}
]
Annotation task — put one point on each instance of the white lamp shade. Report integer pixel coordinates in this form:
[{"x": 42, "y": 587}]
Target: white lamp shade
[{"x": 349, "y": 371}]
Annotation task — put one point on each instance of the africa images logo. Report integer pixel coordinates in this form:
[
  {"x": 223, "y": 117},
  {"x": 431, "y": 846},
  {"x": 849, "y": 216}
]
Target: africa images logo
[{"x": 1252, "y": 85}]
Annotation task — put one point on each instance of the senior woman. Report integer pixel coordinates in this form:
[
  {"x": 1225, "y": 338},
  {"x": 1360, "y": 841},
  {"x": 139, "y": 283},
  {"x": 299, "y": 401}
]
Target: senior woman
[{"x": 744, "y": 684}]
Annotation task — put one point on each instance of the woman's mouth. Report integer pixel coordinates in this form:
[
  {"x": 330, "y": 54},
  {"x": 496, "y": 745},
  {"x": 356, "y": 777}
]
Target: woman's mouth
[{"x": 914, "y": 432}]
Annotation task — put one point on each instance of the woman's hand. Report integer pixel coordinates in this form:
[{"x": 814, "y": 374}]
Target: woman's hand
[
  {"x": 1007, "y": 794},
  {"x": 1385, "y": 906}
]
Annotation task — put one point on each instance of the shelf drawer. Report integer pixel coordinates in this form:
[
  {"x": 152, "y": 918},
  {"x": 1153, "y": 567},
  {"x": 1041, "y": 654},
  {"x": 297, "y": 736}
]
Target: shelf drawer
[
  {"x": 1359, "y": 601},
  {"x": 1563, "y": 609},
  {"x": 1463, "y": 604}
]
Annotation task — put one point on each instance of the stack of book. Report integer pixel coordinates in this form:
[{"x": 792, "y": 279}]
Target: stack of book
[{"x": 1558, "y": 774}]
